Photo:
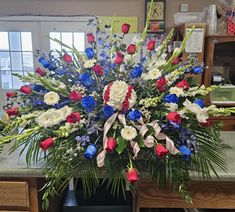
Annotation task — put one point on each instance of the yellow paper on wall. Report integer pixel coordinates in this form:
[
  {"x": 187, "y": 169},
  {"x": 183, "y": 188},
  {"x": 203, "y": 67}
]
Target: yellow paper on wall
[{"x": 116, "y": 22}]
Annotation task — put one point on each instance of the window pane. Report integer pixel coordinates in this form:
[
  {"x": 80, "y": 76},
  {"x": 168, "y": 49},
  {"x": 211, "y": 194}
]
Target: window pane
[
  {"x": 28, "y": 61},
  {"x": 4, "y": 42},
  {"x": 26, "y": 39},
  {"x": 16, "y": 82},
  {"x": 79, "y": 41},
  {"x": 53, "y": 44},
  {"x": 15, "y": 43},
  {"x": 6, "y": 79},
  {"x": 5, "y": 61},
  {"x": 67, "y": 38},
  {"x": 16, "y": 63}
]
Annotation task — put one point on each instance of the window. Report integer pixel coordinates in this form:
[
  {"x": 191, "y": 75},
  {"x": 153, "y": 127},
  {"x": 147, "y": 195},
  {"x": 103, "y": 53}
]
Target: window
[{"x": 20, "y": 37}]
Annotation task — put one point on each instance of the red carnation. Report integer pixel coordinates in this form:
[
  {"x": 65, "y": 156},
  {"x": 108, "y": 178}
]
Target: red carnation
[
  {"x": 11, "y": 94},
  {"x": 174, "y": 117},
  {"x": 132, "y": 175},
  {"x": 46, "y": 144},
  {"x": 161, "y": 151},
  {"x": 73, "y": 118},
  {"x": 90, "y": 37},
  {"x": 98, "y": 69},
  {"x": 176, "y": 61},
  {"x": 119, "y": 58},
  {"x": 125, "y": 28},
  {"x": 131, "y": 49},
  {"x": 26, "y": 89},
  {"x": 151, "y": 45},
  {"x": 111, "y": 144},
  {"x": 75, "y": 96},
  {"x": 161, "y": 84},
  {"x": 13, "y": 111},
  {"x": 40, "y": 71},
  {"x": 67, "y": 58},
  {"x": 208, "y": 123},
  {"x": 183, "y": 84}
]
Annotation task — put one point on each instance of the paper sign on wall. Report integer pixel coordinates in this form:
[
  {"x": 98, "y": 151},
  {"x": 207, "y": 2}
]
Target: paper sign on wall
[{"x": 195, "y": 41}]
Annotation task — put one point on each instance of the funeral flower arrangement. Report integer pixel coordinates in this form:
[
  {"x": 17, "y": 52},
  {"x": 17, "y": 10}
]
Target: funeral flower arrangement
[{"x": 107, "y": 114}]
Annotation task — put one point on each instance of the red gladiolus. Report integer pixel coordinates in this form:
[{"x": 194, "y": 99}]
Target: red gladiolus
[
  {"x": 131, "y": 49},
  {"x": 161, "y": 84},
  {"x": 132, "y": 175},
  {"x": 90, "y": 37},
  {"x": 208, "y": 123},
  {"x": 174, "y": 117},
  {"x": 175, "y": 61},
  {"x": 183, "y": 84},
  {"x": 67, "y": 58},
  {"x": 161, "y": 151},
  {"x": 119, "y": 58},
  {"x": 46, "y": 144},
  {"x": 111, "y": 144},
  {"x": 40, "y": 71},
  {"x": 11, "y": 94},
  {"x": 98, "y": 69},
  {"x": 13, "y": 111},
  {"x": 151, "y": 45},
  {"x": 26, "y": 89},
  {"x": 75, "y": 96},
  {"x": 125, "y": 28},
  {"x": 73, "y": 118}
]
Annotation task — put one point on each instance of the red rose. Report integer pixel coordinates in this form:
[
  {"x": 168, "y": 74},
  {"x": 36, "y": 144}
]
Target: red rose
[
  {"x": 73, "y": 118},
  {"x": 161, "y": 151},
  {"x": 75, "y": 96},
  {"x": 183, "y": 84},
  {"x": 151, "y": 45},
  {"x": 119, "y": 58},
  {"x": 67, "y": 58},
  {"x": 40, "y": 71},
  {"x": 90, "y": 37},
  {"x": 174, "y": 117},
  {"x": 11, "y": 94},
  {"x": 26, "y": 89},
  {"x": 208, "y": 123},
  {"x": 125, "y": 28},
  {"x": 161, "y": 84},
  {"x": 98, "y": 69},
  {"x": 132, "y": 175},
  {"x": 131, "y": 49},
  {"x": 46, "y": 144},
  {"x": 111, "y": 144},
  {"x": 13, "y": 111},
  {"x": 176, "y": 61}
]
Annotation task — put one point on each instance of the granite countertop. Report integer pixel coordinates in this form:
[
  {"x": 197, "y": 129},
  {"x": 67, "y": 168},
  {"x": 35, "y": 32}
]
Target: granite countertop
[{"x": 15, "y": 166}]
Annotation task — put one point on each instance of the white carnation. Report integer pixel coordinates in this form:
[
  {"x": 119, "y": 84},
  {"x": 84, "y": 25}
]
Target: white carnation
[
  {"x": 128, "y": 133},
  {"x": 152, "y": 75},
  {"x": 90, "y": 63},
  {"x": 51, "y": 98},
  {"x": 177, "y": 91},
  {"x": 172, "y": 106}
]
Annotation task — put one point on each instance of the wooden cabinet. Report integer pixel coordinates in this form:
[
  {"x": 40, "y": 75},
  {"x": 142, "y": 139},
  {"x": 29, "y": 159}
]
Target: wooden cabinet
[
  {"x": 18, "y": 195},
  {"x": 220, "y": 70}
]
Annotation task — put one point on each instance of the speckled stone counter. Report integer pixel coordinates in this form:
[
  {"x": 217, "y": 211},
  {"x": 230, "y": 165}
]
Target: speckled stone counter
[{"x": 15, "y": 166}]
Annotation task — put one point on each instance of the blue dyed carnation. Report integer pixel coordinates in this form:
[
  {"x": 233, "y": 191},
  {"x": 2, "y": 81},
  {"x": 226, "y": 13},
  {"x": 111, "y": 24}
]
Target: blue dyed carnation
[
  {"x": 108, "y": 111},
  {"x": 39, "y": 88},
  {"x": 89, "y": 53},
  {"x": 44, "y": 62},
  {"x": 171, "y": 98},
  {"x": 90, "y": 152},
  {"x": 197, "y": 69},
  {"x": 88, "y": 103},
  {"x": 86, "y": 79},
  {"x": 136, "y": 72},
  {"x": 134, "y": 115},
  {"x": 200, "y": 102},
  {"x": 185, "y": 152}
]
